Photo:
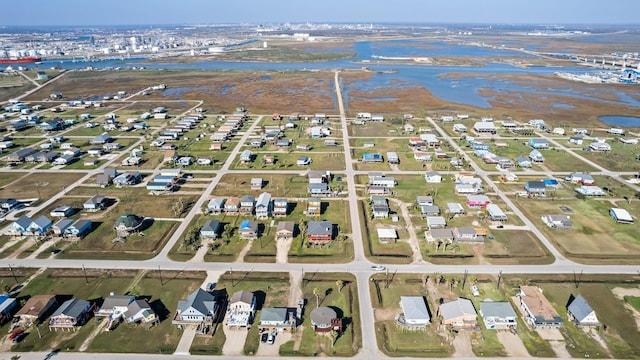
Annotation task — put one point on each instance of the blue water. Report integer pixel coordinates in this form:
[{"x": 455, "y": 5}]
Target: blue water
[
  {"x": 463, "y": 88},
  {"x": 563, "y": 106},
  {"x": 626, "y": 121}
]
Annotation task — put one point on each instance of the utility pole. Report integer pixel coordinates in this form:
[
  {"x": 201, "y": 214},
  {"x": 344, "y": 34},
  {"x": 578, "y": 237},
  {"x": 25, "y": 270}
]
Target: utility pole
[
  {"x": 464, "y": 278},
  {"x": 13, "y": 274},
  {"x": 231, "y": 273},
  {"x": 499, "y": 277},
  {"x": 86, "y": 281},
  {"x": 160, "y": 272}
]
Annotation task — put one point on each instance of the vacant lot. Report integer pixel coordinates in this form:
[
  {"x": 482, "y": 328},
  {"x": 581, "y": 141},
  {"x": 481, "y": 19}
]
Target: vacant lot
[
  {"x": 594, "y": 237},
  {"x": 39, "y": 185},
  {"x": 515, "y": 247},
  {"x": 222, "y": 91}
]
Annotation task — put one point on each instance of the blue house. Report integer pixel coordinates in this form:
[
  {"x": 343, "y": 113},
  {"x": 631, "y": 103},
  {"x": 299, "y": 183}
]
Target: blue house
[
  {"x": 79, "y": 228},
  {"x": 156, "y": 186},
  {"x": 535, "y": 188},
  {"x": 210, "y": 229},
  {"x": 480, "y": 146},
  {"x": 60, "y": 227},
  {"x": 246, "y": 156},
  {"x": 523, "y": 162},
  {"x": 248, "y": 229},
  {"x": 539, "y": 143},
  {"x": 40, "y": 226},
  {"x": 7, "y": 305},
  {"x": 20, "y": 226}
]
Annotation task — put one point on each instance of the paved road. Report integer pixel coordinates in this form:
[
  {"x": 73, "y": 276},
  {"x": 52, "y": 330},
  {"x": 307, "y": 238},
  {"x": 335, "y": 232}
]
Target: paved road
[
  {"x": 95, "y": 356},
  {"x": 559, "y": 258},
  {"x": 197, "y": 207}
]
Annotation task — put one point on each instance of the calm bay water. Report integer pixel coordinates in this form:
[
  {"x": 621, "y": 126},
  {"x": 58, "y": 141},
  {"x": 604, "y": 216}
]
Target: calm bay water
[{"x": 462, "y": 88}]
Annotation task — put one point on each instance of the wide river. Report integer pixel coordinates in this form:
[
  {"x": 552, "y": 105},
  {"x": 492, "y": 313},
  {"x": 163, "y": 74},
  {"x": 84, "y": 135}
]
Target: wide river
[{"x": 463, "y": 89}]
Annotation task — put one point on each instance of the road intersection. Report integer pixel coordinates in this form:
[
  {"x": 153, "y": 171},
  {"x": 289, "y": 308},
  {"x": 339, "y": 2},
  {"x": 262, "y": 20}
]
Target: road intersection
[{"x": 360, "y": 266}]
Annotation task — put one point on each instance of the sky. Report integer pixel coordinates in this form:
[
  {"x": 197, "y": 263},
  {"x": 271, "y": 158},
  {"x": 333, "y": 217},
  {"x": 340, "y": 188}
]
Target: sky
[{"x": 142, "y": 12}]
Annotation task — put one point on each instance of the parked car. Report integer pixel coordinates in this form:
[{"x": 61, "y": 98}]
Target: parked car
[
  {"x": 475, "y": 291},
  {"x": 264, "y": 337},
  {"x": 271, "y": 338},
  {"x": 19, "y": 337},
  {"x": 15, "y": 334}
]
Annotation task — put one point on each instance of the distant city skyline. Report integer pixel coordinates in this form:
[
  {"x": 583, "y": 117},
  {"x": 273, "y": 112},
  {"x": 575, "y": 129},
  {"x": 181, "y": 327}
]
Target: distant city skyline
[{"x": 155, "y": 12}]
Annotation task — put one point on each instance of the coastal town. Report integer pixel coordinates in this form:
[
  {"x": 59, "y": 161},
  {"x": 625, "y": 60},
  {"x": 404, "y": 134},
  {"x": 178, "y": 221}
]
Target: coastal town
[{"x": 145, "y": 203}]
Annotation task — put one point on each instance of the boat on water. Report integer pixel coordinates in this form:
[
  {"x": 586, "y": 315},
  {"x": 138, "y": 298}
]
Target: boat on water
[{"x": 27, "y": 59}]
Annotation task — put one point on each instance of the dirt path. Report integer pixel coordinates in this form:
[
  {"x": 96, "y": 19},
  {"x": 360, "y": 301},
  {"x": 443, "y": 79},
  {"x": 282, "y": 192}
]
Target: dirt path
[
  {"x": 560, "y": 348},
  {"x": 234, "y": 345},
  {"x": 596, "y": 336},
  {"x": 244, "y": 251},
  {"x": 282, "y": 251},
  {"x": 27, "y": 244},
  {"x": 477, "y": 251},
  {"x": 295, "y": 293},
  {"x": 205, "y": 245},
  {"x": 620, "y": 293},
  {"x": 10, "y": 243},
  {"x": 43, "y": 246},
  {"x": 413, "y": 238},
  {"x": 462, "y": 344},
  {"x": 513, "y": 344}
]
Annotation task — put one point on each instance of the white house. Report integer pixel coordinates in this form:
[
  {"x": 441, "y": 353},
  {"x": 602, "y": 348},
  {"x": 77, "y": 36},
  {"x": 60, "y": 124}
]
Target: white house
[
  {"x": 414, "y": 312},
  {"x": 432, "y": 177},
  {"x": 581, "y": 313},
  {"x": 621, "y": 216}
]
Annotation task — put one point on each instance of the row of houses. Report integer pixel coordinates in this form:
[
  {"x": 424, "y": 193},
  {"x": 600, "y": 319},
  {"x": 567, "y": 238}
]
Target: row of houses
[
  {"x": 460, "y": 314},
  {"x": 230, "y": 127},
  {"x": 317, "y": 232},
  {"x": 75, "y": 312},
  {"x": 26, "y": 226}
]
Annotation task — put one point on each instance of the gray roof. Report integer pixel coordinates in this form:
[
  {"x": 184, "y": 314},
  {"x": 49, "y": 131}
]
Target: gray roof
[
  {"x": 211, "y": 226},
  {"x": 441, "y": 233},
  {"x": 200, "y": 300},
  {"x": 63, "y": 224},
  {"x": 23, "y": 221},
  {"x": 274, "y": 314},
  {"x": 494, "y": 210},
  {"x": 80, "y": 223},
  {"x": 263, "y": 200},
  {"x": 286, "y": 225},
  {"x": 436, "y": 220},
  {"x": 457, "y": 308},
  {"x": 579, "y": 308},
  {"x": 72, "y": 308},
  {"x": 42, "y": 222},
  {"x": 320, "y": 228},
  {"x": 322, "y": 315},
  {"x": 242, "y": 295},
  {"x": 321, "y": 186},
  {"x": 136, "y": 306},
  {"x": 247, "y": 199},
  {"x": 117, "y": 300},
  {"x": 430, "y": 209},
  {"x": 499, "y": 309},
  {"x": 216, "y": 203},
  {"x": 414, "y": 308},
  {"x": 536, "y": 184}
]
